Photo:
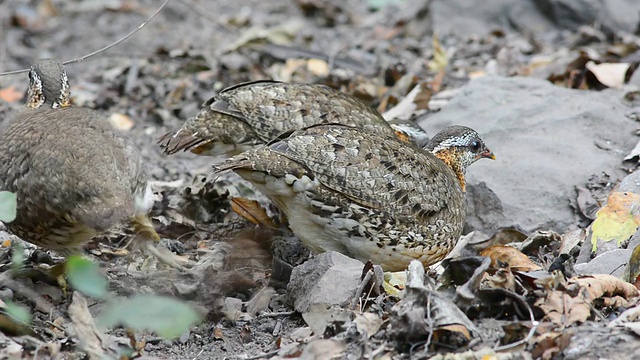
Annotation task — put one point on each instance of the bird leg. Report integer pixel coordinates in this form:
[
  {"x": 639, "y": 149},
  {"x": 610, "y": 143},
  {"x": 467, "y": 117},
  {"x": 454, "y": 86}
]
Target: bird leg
[{"x": 142, "y": 226}]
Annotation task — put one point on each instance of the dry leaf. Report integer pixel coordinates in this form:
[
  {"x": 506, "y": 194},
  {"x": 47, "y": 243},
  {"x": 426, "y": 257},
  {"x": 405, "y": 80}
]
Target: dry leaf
[
  {"x": 632, "y": 272},
  {"x": 611, "y": 75},
  {"x": 394, "y": 282},
  {"x": 217, "y": 333},
  {"x": 502, "y": 279},
  {"x": 252, "y": 211},
  {"x": 511, "y": 256},
  {"x": 617, "y": 220},
  {"x": 121, "y": 121},
  {"x": 10, "y": 94},
  {"x": 368, "y": 323},
  {"x": 439, "y": 61},
  {"x": 635, "y": 153},
  {"x": 573, "y": 301},
  {"x": 318, "y": 67}
]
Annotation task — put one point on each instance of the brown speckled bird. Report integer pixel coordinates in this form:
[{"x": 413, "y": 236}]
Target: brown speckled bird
[
  {"x": 367, "y": 196},
  {"x": 249, "y": 114},
  {"x": 75, "y": 176}
]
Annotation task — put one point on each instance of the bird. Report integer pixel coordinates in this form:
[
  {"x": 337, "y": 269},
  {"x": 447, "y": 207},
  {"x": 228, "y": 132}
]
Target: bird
[
  {"x": 371, "y": 197},
  {"x": 248, "y": 114},
  {"x": 74, "y": 174}
]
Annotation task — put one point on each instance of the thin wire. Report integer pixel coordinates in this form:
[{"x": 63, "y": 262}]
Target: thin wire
[{"x": 80, "y": 59}]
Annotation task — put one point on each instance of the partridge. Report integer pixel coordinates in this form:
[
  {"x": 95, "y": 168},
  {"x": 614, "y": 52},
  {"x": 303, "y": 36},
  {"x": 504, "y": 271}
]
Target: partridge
[
  {"x": 368, "y": 196},
  {"x": 249, "y": 114},
  {"x": 75, "y": 176}
]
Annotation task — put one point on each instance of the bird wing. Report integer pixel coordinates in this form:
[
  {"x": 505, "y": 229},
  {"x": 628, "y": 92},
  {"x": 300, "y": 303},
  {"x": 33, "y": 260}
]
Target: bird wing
[
  {"x": 357, "y": 167},
  {"x": 272, "y": 108}
]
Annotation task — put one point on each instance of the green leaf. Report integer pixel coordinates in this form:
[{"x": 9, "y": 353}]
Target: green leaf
[
  {"x": 379, "y": 4},
  {"x": 8, "y": 205},
  {"x": 165, "y": 316},
  {"x": 17, "y": 256},
  {"x": 18, "y": 312},
  {"x": 84, "y": 275}
]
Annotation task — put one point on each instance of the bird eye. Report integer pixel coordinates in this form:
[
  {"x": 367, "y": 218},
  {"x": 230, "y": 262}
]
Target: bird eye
[{"x": 474, "y": 146}]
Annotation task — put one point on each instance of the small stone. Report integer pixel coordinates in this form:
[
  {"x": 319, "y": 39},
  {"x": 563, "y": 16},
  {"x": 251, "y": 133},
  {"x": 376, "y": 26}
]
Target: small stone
[{"x": 330, "y": 278}]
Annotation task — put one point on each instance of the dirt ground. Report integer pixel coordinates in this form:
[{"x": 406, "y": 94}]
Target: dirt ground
[{"x": 162, "y": 74}]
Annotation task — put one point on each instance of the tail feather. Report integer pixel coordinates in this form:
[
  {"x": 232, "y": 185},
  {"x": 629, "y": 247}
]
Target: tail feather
[
  {"x": 175, "y": 141},
  {"x": 234, "y": 163}
]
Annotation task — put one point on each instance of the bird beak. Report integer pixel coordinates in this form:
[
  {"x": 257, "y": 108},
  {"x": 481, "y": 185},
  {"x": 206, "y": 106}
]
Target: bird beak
[{"x": 486, "y": 154}]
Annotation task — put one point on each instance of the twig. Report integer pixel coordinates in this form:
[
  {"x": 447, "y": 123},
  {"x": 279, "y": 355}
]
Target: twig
[
  {"x": 531, "y": 332},
  {"x": 191, "y": 5},
  {"x": 277, "y": 314},
  {"x": 85, "y": 57},
  {"x": 360, "y": 288}
]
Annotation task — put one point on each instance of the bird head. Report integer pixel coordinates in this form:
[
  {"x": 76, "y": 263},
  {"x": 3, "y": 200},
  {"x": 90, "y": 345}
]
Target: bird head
[
  {"x": 458, "y": 147},
  {"x": 48, "y": 84}
]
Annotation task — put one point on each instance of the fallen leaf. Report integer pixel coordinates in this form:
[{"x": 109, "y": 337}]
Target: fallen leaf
[
  {"x": 618, "y": 220},
  {"x": 90, "y": 338},
  {"x": 252, "y": 211},
  {"x": 10, "y": 94},
  {"x": 570, "y": 303},
  {"x": 320, "y": 316},
  {"x": 439, "y": 61},
  {"x": 635, "y": 153},
  {"x": 323, "y": 349},
  {"x": 502, "y": 279},
  {"x": 394, "y": 282},
  {"x": 609, "y": 74},
  {"x": 217, "y": 333},
  {"x": 511, "y": 256},
  {"x": 121, "y": 121},
  {"x": 368, "y": 323},
  {"x": 318, "y": 67},
  {"x": 632, "y": 272}
]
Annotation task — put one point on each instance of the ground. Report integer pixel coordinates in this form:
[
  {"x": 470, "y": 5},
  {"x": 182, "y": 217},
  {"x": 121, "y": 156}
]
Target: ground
[{"x": 161, "y": 75}]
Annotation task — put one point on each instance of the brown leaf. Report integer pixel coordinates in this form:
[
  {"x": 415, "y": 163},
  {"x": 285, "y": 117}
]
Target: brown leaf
[
  {"x": 121, "y": 121},
  {"x": 510, "y": 255},
  {"x": 604, "y": 285},
  {"x": 502, "y": 279},
  {"x": 252, "y": 211},
  {"x": 572, "y": 301},
  {"x": 217, "y": 333},
  {"x": 562, "y": 309},
  {"x": 10, "y": 94}
]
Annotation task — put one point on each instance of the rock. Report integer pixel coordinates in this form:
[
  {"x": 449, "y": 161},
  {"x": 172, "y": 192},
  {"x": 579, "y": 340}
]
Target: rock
[
  {"x": 330, "y": 279},
  {"x": 547, "y": 141},
  {"x": 616, "y": 15},
  {"x": 464, "y": 17},
  {"x": 612, "y": 262}
]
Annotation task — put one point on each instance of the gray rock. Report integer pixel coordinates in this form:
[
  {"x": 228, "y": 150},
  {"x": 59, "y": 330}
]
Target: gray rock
[
  {"x": 612, "y": 263},
  {"x": 330, "y": 279},
  {"x": 547, "y": 140},
  {"x": 464, "y": 17},
  {"x": 616, "y": 15}
]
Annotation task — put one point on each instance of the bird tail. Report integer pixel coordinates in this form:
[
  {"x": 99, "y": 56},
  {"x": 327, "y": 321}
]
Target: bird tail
[
  {"x": 180, "y": 140},
  {"x": 234, "y": 163}
]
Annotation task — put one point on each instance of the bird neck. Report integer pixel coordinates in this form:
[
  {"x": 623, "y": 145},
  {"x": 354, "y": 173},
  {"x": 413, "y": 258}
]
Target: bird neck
[{"x": 450, "y": 158}]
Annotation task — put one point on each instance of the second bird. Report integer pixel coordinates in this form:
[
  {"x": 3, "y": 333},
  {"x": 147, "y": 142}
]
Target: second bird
[{"x": 250, "y": 114}]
